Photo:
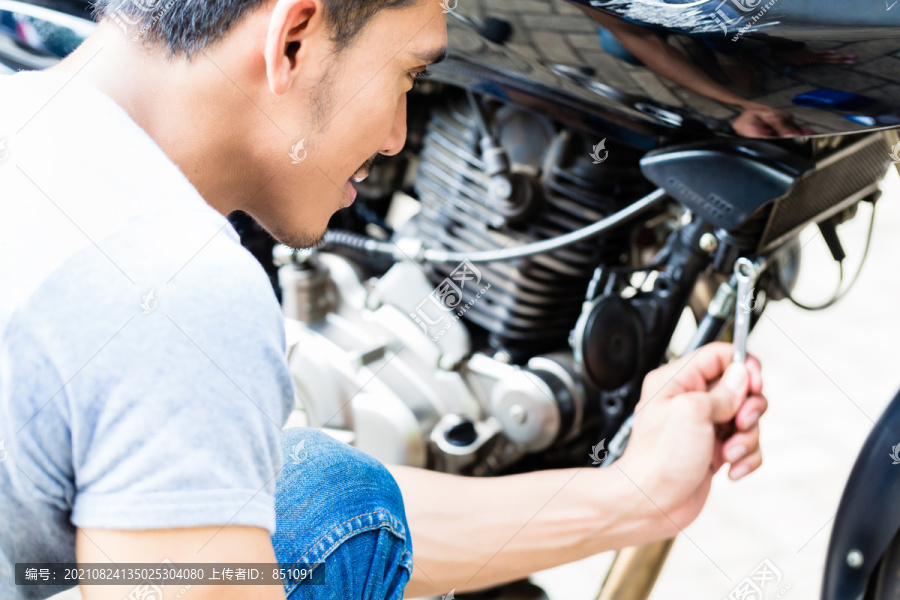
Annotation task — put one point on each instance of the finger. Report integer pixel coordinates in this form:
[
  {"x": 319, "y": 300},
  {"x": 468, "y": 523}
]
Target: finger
[
  {"x": 740, "y": 445},
  {"x": 726, "y": 396},
  {"x": 833, "y": 60},
  {"x": 759, "y": 128},
  {"x": 782, "y": 124},
  {"x": 692, "y": 372},
  {"x": 755, "y": 369},
  {"x": 750, "y": 411},
  {"x": 745, "y": 466},
  {"x": 831, "y": 56}
]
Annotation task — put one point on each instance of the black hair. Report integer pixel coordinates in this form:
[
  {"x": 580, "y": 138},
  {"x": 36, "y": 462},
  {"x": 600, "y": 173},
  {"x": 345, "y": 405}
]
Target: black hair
[{"x": 186, "y": 27}]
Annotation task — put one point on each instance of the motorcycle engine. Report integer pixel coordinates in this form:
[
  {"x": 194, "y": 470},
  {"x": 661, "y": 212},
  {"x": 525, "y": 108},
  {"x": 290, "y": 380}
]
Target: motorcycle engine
[{"x": 465, "y": 368}]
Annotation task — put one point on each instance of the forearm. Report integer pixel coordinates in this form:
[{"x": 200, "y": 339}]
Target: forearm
[{"x": 469, "y": 533}]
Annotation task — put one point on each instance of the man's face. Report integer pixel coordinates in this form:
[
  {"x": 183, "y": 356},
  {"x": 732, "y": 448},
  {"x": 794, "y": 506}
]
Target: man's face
[{"x": 335, "y": 112}]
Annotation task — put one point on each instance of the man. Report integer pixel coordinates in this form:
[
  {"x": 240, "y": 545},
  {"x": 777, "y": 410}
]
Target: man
[{"x": 143, "y": 383}]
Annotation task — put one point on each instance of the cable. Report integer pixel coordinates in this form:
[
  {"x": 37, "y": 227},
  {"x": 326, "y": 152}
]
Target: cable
[
  {"x": 356, "y": 241},
  {"x": 579, "y": 235},
  {"x": 838, "y": 294},
  {"x": 412, "y": 249}
]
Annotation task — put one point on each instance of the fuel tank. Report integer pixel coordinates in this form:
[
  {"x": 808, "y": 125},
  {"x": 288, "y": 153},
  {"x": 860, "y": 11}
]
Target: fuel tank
[
  {"x": 745, "y": 68},
  {"x": 644, "y": 71}
]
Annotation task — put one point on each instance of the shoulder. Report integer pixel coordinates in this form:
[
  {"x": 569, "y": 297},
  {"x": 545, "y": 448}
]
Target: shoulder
[{"x": 138, "y": 293}]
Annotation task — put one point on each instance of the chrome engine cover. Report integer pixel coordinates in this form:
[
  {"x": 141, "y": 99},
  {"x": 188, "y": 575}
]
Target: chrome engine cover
[{"x": 383, "y": 366}]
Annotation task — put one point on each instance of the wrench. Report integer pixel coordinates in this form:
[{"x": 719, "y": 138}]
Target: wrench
[{"x": 746, "y": 273}]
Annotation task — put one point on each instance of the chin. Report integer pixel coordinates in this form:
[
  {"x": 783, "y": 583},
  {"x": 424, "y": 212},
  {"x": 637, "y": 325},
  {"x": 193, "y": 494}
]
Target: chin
[
  {"x": 298, "y": 238},
  {"x": 303, "y": 239}
]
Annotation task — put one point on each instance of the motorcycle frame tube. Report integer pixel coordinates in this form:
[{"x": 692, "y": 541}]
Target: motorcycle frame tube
[{"x": 634, "y": 571}]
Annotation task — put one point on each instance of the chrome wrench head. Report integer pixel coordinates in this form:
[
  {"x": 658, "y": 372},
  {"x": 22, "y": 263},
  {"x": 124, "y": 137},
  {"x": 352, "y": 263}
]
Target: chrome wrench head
[{"x": 746, "y": 273}]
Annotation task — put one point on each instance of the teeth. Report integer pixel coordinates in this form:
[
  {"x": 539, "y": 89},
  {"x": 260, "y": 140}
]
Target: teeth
[{"x": 358, "y": 178}]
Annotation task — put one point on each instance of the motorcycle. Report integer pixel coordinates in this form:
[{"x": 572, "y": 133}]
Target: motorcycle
[{"x": 564, "y": 203}]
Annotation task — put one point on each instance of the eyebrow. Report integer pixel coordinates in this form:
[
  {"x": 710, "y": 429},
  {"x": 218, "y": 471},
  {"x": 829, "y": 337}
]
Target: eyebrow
[{"x": 432, "y": 57}]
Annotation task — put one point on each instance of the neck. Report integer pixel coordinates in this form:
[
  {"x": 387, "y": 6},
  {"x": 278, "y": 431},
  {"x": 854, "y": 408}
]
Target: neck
[{"x": 192, "y": 110}]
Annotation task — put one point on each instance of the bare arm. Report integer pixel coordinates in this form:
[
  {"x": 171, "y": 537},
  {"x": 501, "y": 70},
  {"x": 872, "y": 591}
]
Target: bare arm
[
  {"x": 184, "y": 545},
  {"x": 539, "y": 520},
  {"x": 469, "y": 532}
]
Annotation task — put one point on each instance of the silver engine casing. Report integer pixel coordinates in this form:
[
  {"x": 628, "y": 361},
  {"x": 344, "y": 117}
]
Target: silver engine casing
[{"x": 380, "y": 365}]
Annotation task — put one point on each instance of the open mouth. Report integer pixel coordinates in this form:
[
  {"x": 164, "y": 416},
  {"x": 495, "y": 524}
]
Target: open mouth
[{"x": 358, "y": 178}]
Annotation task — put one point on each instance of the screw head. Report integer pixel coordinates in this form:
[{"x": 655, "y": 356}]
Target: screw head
[
  {"x": 501, "y": 188},
  {"x": 708, "y": 242},
  {"x": 517, "y": 413},
  {"x": 855, "y": 559}
]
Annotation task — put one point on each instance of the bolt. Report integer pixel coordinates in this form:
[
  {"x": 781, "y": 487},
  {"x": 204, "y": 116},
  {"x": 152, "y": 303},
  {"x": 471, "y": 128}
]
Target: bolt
[
  {"x": 855, "y": 559},
  {"x": 517, "y": 413},
  {"x": 501, "y": 187},
  {"x": 708, "y": 242}
]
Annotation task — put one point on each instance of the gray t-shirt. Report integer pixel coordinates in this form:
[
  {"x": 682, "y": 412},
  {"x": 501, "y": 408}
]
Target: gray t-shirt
[{"x": 143, "y": 378}]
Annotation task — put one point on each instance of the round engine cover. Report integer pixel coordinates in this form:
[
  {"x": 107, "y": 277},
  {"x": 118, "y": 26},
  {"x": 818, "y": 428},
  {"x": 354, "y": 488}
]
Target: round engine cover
[{"x": 608, "y": 340}]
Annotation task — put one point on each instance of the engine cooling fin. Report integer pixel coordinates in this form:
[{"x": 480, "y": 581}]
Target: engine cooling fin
[{"x": 533, "y": 302}]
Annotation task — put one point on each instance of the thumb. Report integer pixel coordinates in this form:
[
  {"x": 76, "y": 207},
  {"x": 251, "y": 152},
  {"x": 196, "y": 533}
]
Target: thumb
[{"x": 727, "y": 395}]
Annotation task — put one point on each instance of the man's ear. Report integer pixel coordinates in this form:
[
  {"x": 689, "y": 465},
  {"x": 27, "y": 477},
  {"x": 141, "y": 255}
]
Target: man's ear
[{"x": 293, "y": 24}]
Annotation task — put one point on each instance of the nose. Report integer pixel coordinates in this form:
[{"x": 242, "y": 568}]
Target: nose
[{"x": 397, "y": 138}]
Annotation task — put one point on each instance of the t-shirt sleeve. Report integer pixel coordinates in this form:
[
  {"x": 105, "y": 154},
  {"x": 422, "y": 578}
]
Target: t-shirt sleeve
[{"x": 176, "y": 419}]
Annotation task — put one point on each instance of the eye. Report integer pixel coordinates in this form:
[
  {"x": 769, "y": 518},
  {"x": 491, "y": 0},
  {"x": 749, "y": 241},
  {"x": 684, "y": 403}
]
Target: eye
[{"x": 418, "y": 76}]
